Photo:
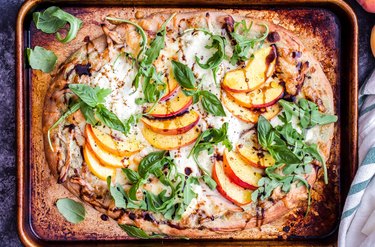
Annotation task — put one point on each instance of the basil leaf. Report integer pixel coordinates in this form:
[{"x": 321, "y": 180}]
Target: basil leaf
[
  {"x": 85, "y": 93},
  {"x": 150, "y": 162},
  {"x": 46, "y": 22},
  {"x": 264, "y": 132},
  {"x": 88, "y": 113},
  {"x": 131, "y": 175},
  {"x": 133, "y": 190},
  {"x": 212, "y": 104},
  {"x": 72, "y": 211},
  {"x": 136, "y": 232},
  {"x": 117, "y": 193},
  {"x": 109, "y": 119},
  {"x": 74, "y": 25},
  {"x": 41, "y": 59},
  {"x": 184, "y": 75},
  {"x": 283, "y": 154}
]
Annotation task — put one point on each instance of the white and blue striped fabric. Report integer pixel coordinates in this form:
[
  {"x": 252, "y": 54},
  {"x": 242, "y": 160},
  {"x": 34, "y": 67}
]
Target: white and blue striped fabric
[{"x": 357, "y": 227}]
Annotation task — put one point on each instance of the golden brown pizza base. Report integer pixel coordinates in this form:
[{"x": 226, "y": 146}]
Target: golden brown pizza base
[{"x": 50, "y": 118}]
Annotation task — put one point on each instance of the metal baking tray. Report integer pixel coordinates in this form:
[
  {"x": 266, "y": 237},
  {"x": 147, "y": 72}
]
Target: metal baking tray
[{"x": 345, "y": 90}]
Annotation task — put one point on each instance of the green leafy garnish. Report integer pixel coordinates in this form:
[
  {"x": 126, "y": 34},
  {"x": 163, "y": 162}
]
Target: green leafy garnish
[
  {"x": 171, "y": 202},
  {"x": 91, "y": 102},
  {"x": 72, "y": 211},
  {"x": 41, "y": 59},
  {"x": 207, "y": 142},
  {"x": 136, "y": 232},
  {"x": 185, "y": 77},
  {"x": 53, "y": 19},
  {"x": 307, "y": 113},
  {"x": 244, "y": 42},
  {"x": 292, "y": 155}
]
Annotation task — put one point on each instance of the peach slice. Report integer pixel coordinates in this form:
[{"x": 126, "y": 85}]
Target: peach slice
[
  {"x": 102, "y": 172},
  {"x": 254, "y": 74},
  {"x": 172, "y": 87},
  {"x": 248, "y": 115},
  {"x": 106, "y": 158},
  {"x": 169, "y": 142},
  {"x": 261, "y": 97},
  {"x": 239, "y": 172},
  {"x": 172, "y": 107},
  {"x": 251, "y": 151},
  {"x": 231, "y": 191},
  {"x": 175, "y": 126},
  {"x": 112, "y": 145}
]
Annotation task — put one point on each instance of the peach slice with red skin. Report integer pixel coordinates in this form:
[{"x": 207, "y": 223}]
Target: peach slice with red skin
[
  {"x": 229, "y": 190},
  {"x": 105, "y": 158},
  {"x": 249, "y": 115},
  {"x": 251, "y": 151},
  {"x": 261, "y": 97},
  {"x": 112, "y": 145},
  {"x": 240, "y": 172},
  {"x": 172, "y": 87},
  {"x": 172, "y": 107},
  {"x": 174, "y": 126},
  {"x": 257, "y": 71},
  {"x": 169, "y": 142},
  {"x": 94, "y": 165}
]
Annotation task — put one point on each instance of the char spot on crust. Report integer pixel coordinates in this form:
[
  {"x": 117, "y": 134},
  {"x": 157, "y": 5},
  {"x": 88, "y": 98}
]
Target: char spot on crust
[{"x": 273, "y": 37}]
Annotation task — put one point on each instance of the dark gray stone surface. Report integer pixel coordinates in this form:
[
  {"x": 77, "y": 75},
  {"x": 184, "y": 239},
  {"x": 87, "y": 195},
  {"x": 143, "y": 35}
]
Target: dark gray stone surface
[{"x": 8, "y": 13}]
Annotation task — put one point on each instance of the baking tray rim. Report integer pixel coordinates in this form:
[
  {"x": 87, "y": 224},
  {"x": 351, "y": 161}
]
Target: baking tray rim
[{"x": 30, "y": 239}]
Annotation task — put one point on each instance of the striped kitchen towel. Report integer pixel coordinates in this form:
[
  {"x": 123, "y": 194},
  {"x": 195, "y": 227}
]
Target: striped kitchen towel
[{"x": 357, "y": 227}]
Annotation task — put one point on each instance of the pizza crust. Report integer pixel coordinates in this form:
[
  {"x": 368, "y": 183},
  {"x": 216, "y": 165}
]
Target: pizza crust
[{"x": 98, "y": 52}]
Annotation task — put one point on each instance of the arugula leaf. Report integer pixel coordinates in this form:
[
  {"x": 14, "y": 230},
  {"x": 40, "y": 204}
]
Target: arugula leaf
[
  {"x": 72, "y": 211},
  {"x": 308, "y": 113},
  {"x": 184, "y": 75},
  {"x": 53, "y": 19},
  {"x": 71, "y": 109},
  {"x": 206, "y": 141},
  {"x": 117, "y": 193},
  {"x": 46, "y": 22},
  {"x": 243, "y": 41},
  {"x": 211, "y": 103},
  {"x": 136, "y": 232},
  {"x": 74, "y": 25},
  {"x": 140, "y": 30},
  {"x": 41, "y": 59}
]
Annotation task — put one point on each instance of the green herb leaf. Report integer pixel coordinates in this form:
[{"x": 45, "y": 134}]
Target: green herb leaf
[
  {"x": 74, "y": 25},
  {"x": 86, "y": 93},
  {"x": 41, "y": 59},
  {"x": 72, "y": 211},
  {"x": 46, "y": 22},
  {"x": 151, "y": 162},
  {"x": 184, "y": 75},
  {"x": 136, "y": 232},
  {"x": 117, "y": 193},
  {"x": 131, "y": 175},
  {"x": 212, "y": 104},
  {"x": 109, "y": 119},
  {"x": 264, "y": 132},
  {"x": 209, "y": 181},
  {"x": 88, "y": 113}
]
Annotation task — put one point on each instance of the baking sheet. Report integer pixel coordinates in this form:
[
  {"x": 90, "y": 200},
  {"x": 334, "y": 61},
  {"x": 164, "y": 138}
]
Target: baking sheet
[{"x": 38, "y": 190}]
